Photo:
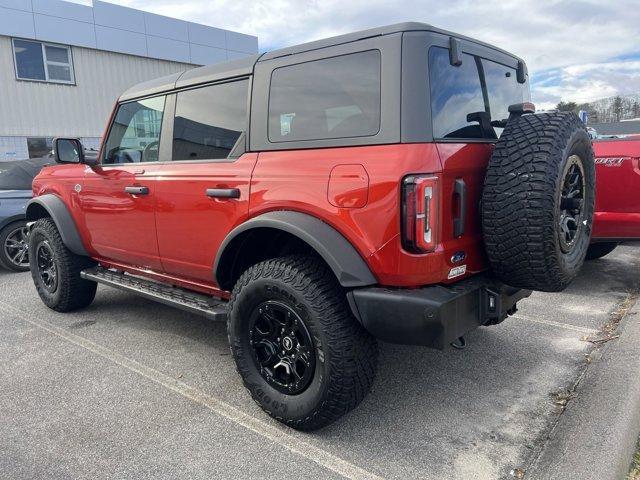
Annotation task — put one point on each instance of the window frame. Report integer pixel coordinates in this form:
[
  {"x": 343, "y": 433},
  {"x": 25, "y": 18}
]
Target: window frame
[
  {"x": 390, "y": 47},
  {"x": 477, "y": 58},
  {"x": 170, "y": 107},
  {"x": 45, "y": 62}
]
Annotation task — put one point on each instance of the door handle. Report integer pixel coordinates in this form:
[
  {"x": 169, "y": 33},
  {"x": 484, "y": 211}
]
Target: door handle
[
  {"x": 223, "y": 192},
  {"x": 137, "y": 190}
]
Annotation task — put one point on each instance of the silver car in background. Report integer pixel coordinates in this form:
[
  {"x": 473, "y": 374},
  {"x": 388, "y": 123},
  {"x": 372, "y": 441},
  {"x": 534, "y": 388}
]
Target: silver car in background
[{"x": 15, "y": 191}]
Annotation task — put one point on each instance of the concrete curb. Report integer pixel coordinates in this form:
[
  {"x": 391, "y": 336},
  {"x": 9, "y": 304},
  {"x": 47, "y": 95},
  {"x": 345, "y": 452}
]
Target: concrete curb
[{"x": 595, "y": 437}]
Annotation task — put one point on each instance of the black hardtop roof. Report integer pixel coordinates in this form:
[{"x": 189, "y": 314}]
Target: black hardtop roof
[{"x": 244, "y": 66}]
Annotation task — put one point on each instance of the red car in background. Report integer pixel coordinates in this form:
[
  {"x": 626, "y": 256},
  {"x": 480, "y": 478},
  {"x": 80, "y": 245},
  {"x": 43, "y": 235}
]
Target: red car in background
[{"x": 617, "y": 217}]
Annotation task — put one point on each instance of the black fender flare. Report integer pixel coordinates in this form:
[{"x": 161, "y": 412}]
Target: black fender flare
[
  {"x": 344, "y": 260},
  {"x": 58, "y": 211}
]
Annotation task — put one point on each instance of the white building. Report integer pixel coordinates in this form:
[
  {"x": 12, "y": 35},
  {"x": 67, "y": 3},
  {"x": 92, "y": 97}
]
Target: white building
[{"x": 63, "y": 64}]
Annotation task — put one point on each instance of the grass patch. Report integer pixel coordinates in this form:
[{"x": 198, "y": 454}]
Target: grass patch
[{"x": 635, "y": 467}]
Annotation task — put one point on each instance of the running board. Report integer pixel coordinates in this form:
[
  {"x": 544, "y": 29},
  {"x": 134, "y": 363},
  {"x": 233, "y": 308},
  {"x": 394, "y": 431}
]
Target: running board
[{"x": 210, "y": 307}]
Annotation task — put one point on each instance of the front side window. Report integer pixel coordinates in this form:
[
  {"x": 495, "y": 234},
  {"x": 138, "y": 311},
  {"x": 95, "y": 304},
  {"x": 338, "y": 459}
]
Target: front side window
[
  {"x": 210, "y": 121},
  {"x": 44, "y": 62},
  {"x": 135, "y": 133},
  {"x": 330, "y": 98},
  {"x": 466, "y": 99}
]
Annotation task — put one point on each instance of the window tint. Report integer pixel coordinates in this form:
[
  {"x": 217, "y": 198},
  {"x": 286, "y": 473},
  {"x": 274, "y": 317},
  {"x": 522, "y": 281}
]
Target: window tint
[
  {"x": 329, "y": 98},
  {"x": 135, "y": 133},
  {"x": 43, "y": 61},
  {"x": 455, "y": 93},
  {"x": 209, "y": 121}
]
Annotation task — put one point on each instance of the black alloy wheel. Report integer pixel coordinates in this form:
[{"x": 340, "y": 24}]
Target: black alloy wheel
[
  {"x": 572, "y": 203},
  {"x": 46, "y": 266},
  {"x": 281, "y": 346}
]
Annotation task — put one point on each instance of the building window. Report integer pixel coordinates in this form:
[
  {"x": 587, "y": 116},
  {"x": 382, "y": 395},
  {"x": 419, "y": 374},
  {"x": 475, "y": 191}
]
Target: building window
[{"x": 44, "y": 62}]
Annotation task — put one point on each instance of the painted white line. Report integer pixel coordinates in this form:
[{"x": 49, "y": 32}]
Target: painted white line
[
  {"x": 574, "y": 328},
  {"x": 275, "y": 434}
]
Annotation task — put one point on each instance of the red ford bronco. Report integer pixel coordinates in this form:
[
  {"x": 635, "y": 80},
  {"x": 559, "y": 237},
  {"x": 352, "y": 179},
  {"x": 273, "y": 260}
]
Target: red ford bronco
[
  {"x": 390, "y": 184},
  {"x": 617, "y": 217}
]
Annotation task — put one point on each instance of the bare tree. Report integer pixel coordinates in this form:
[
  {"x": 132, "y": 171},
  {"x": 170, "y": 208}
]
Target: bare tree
[{"x": 617, "y": 108}]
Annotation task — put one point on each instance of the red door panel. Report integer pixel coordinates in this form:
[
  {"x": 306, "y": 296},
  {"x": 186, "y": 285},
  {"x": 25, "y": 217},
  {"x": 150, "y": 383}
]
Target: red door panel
[
  {"x": 191, "y": 225},
  {"x": 121, "y": 225}
]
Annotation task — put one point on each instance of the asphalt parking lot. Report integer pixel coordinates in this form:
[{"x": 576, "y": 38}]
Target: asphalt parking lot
[{"x": 132, "y": 389}]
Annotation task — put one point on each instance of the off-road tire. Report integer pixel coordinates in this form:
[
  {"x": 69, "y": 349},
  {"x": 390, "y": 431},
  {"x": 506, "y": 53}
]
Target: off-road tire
[
  {"x": 71, "y": 292},
  {"x": 521, "y": 201},
  {"x": 5, "y": 262},
  {"x": 346, "y": 355},
  {"x": 599, "y": 250}
]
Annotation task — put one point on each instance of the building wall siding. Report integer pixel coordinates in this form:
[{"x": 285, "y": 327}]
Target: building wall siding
[{"x": 81, "y": 110}]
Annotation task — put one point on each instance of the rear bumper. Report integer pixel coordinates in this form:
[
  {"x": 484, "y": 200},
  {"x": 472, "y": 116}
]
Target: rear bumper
[{"x": 433, "y": 316}]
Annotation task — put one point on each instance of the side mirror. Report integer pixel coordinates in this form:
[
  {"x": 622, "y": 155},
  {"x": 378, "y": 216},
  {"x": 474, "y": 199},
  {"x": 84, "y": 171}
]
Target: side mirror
[{"x": 68, "y": 150}]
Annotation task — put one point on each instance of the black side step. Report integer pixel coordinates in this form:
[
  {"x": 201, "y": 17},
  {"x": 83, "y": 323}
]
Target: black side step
[{"x": 213, "y": 308}]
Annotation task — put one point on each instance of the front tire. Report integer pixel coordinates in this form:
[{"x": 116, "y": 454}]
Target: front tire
[
  {"x": 300, "y": 352},
  {"x": 56, "y": 270}
]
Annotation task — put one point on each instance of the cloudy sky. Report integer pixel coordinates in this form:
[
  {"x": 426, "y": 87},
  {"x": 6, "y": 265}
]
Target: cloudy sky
[{"x": 578, "y": 50}]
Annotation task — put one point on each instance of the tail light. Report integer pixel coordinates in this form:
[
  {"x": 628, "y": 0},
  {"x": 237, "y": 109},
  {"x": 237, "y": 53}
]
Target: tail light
[{"x": 420, "y": 213}]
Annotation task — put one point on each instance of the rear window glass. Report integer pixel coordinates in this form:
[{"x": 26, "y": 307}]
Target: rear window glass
[
  {"x": 455, "y": 93},
  {"x": 330, "y": 98},
  {"x": 460, "y": 95},
  {"x": 503, "y": 90}
]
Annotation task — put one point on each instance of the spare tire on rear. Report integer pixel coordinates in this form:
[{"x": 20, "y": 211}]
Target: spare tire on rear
[{"x": 538, "y": 201}]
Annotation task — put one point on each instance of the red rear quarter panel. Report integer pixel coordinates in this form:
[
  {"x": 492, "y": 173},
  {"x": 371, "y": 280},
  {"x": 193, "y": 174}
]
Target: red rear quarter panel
[
  {"x": 298, "y": 180},
  {"x": 618, "y": 189}
]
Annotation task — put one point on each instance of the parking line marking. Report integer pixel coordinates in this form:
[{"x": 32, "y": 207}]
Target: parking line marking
[
  {"x": 573, "y": 328},
  {"x": 290, "y": 442}
]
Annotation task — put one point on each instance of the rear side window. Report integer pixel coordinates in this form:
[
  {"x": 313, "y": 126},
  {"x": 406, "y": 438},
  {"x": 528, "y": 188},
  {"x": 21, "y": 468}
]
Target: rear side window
[
  {"x": 330, "y": 98},
  {"x": 461, "y": 96},
  {"x": 209, "y": 121}
]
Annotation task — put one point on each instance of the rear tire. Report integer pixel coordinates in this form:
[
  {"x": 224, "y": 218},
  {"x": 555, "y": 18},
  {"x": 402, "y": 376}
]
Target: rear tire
[
  {"x": 300, "y": 352},
  {"x": 599, "y": 250},
  {"x": 56, "y": 270},
  {"x": 538, "y": 201}
]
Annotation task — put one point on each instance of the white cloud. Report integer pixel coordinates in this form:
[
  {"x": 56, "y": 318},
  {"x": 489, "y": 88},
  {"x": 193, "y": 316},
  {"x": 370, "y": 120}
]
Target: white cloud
[
  {"x": 576, "y": 38},
  {"x": 587, "y": 82}
]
